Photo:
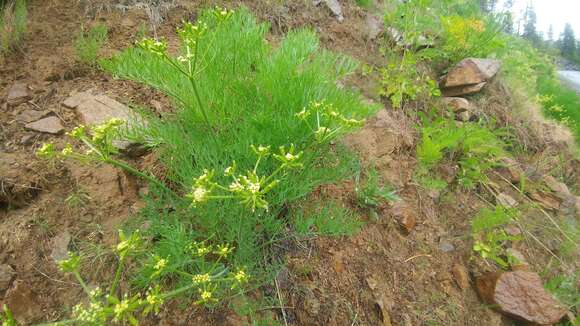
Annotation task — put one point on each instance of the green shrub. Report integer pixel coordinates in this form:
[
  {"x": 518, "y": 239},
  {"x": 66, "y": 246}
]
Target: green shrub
[
  {"x": 238, "y": 100},
  {"x": 88, "y": 43},
  {"x": 402, "y": 80},
  {"x": 371, "y": 195},
  {"x": 463, "y": 37},
  {"x": 364, "y": 3},
  {"x": 253, "y": 131},
  {"x": 13, "y": 23}
]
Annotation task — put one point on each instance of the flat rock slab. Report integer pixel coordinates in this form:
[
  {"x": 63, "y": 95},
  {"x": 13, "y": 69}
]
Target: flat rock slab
[
  {"x": 60, "y": 247},
  {"x": 17, "y": 94},
  {"x": 27, "y": 116},
  {"x": 520, "y": 294},
  {"x": 23, "y": 302},
  {"x": 471, "y": 71},
  {"x": 97, "y": 109},
  {"x": 50, "y": 125}
]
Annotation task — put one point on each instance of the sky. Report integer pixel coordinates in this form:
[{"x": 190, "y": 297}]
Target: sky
[{"x": 555, "y": 12}]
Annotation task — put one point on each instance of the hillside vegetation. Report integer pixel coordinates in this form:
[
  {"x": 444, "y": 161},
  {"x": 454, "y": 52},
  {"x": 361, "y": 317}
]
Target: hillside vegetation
[{"x": 268, "y": 159}]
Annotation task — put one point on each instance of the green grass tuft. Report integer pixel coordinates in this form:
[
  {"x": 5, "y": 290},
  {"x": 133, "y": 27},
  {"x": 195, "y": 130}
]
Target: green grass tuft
[
  {"x": 330, "y": 219},
  {"x": 88, "y": 43},
  {"x": 13, "y": 25}
]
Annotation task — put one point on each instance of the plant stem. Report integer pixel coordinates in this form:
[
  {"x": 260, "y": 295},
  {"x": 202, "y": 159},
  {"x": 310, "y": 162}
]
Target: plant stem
[
  {"x": 82, "y": 282},
  {"x": 117, "y": 276},
  {"x": 199, "y": 103},
  {"x": 140, "y": 174}
]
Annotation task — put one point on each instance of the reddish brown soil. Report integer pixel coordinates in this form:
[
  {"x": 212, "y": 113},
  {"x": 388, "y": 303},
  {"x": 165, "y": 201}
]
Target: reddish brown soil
[{"x": 380, "y": 276}]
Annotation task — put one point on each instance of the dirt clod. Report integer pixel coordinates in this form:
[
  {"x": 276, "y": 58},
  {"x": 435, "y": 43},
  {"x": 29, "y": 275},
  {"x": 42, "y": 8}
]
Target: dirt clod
[
  {"x": 17, "y": 187},
  {"x": 405, "y": 216},
  {"x": 6, "y": 275},
  {"x": 520, "y": 294},
  {"x": 21, "y": 300},
  {"x": 461, "y": 276}
]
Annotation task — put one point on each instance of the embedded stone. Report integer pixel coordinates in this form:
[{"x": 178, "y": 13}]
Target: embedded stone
[
  {"x": 23, "y": 303},
  {"x": 457, "y": 104},
  {"x": 506, "y": 200},
  {"x": 404, "y": 215},
  {"x": 546, "y": 200},
  {"x": 336, "y": 9},
  {"x": 521, "y": 295},
  {"x": 18, "y": 94},
  {"x": 519, "y": 261},
  {"x": 559, "y": 188},
  {"x": 60, "y": 247},
  {"x": 374, "y": 27},
  {"x": 511, "y": 170}
]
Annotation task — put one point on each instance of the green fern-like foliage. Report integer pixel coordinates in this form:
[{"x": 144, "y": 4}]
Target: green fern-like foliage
[
  {"x": 475, "y": 148},
  {"x": 490, "y": 238},
  {"x": 232, "y": 91}
]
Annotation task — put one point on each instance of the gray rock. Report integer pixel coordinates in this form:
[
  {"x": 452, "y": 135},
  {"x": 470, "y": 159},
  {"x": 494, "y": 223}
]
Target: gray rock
[
  {"x": 60, "y": 246},
  {"x": 18, "y": 94},
  {"x": 27, "y": 139},
  {"x": 6, "y": 275},
  {"x": 51, "y": 125},
  {"x": 374, "y": 27},
  {"x": 446, "y": 246},
  {"x": 334, "y": 6}
]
